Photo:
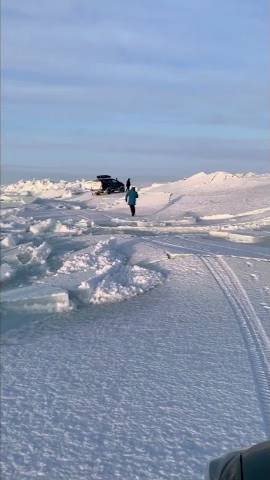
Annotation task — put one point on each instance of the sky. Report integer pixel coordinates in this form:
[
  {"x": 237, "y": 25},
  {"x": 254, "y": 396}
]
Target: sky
[{"x": 146, "y": 89}]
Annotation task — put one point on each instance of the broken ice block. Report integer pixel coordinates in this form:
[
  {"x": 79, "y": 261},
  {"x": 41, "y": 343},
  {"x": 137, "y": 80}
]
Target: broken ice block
[
  {"x": 6, "y": 272},
  {"x": 43, "y": 298}
]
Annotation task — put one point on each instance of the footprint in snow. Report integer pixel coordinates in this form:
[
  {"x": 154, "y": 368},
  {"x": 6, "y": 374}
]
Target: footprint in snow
[
  {"x": 249, "y": 264},
  {"x": 254, "y": 276}
]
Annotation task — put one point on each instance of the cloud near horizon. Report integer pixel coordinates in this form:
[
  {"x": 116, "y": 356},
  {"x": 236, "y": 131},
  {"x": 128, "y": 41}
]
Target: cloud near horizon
[{"x": 162, "y": 81}]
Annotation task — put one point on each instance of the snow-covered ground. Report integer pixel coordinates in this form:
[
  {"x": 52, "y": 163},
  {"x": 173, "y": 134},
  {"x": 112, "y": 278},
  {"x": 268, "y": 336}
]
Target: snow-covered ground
[{"x": 134, "y": 348}]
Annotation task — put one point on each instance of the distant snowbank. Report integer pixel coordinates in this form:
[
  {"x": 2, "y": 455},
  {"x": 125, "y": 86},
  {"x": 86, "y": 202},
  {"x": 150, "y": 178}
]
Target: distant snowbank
[
  {"x": 212, "y": 181},
  {"x": 47, "y": 188},
  {"x": 220, "y": 194}
]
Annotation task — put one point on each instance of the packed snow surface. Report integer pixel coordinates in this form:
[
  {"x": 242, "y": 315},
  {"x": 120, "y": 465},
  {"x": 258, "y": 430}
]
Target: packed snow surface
[{"x": 133, "y": 348}]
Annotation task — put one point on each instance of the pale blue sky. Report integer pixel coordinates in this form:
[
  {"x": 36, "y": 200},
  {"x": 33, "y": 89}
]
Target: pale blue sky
[{"x": 160, "y": 88}]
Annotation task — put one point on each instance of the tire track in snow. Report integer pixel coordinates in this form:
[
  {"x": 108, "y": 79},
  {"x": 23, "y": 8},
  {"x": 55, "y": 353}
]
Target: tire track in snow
[{"x": 256, "y": 340}]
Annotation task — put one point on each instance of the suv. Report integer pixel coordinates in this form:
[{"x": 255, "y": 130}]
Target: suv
[{"x": 110, "y": 185}]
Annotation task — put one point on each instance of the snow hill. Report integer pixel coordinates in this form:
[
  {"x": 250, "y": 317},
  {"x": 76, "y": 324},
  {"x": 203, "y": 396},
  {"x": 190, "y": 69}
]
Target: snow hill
[{"x": 134, "y": 347}]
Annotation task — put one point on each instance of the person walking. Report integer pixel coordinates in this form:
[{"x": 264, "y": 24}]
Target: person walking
[
  {"x": 131, "y": 197},
  {"x": 128, "y": 184}
]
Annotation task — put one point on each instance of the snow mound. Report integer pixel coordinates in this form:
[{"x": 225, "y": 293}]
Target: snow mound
[
  {"x": 220, "y": 177},
  {"x": 119, "y": 283},
  {"x": 101, "y": 258},
  {"x": 104, "y": 275},
  {"x": 43, "y": 298},
  {"x": 212, "y": 181}
]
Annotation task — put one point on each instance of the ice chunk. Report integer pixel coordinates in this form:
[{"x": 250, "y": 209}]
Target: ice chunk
[
  {"x": 239, "y": 237},
  {"x": 34, "y": 255},
  {"x": 42, "y": 226},
  {"x": 6, "y": 272},
  {"x": 43, "y": 298},
  {"x": 8, "y": 241},
  {"x": 61, "y": 228},
  {"x": 67, "y": 229},
  {"x": 55, "y": 226}
]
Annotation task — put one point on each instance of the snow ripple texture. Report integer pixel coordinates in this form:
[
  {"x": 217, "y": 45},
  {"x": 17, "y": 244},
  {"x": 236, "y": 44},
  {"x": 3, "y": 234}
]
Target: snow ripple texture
[{"x": 151, "y": 390}]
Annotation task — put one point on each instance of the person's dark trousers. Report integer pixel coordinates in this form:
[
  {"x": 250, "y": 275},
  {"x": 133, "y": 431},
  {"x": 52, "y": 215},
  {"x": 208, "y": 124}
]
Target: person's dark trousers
[{"x": 132, "y": 209}]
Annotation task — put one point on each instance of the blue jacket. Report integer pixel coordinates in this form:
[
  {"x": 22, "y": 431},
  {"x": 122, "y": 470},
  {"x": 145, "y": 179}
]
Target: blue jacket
[{"x": 131, "y": 197}]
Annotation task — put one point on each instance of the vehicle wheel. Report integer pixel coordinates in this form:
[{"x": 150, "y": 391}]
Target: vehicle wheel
[
  {"x": 108, "y": 191},
  {"x": 122, "y": 189}
]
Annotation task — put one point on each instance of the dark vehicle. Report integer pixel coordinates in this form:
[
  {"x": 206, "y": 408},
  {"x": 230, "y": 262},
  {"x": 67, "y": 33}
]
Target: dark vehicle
[
  {"x": 110, "y": 185},
  {"x": 100, "y": 177},
  {"x": 247, "y": 464}
]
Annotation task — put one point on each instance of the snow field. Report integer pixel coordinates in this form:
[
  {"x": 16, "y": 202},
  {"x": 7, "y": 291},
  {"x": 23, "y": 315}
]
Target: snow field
[
  {"x": 151, "y": 390},
  {"x": 134, "y": 348}
]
